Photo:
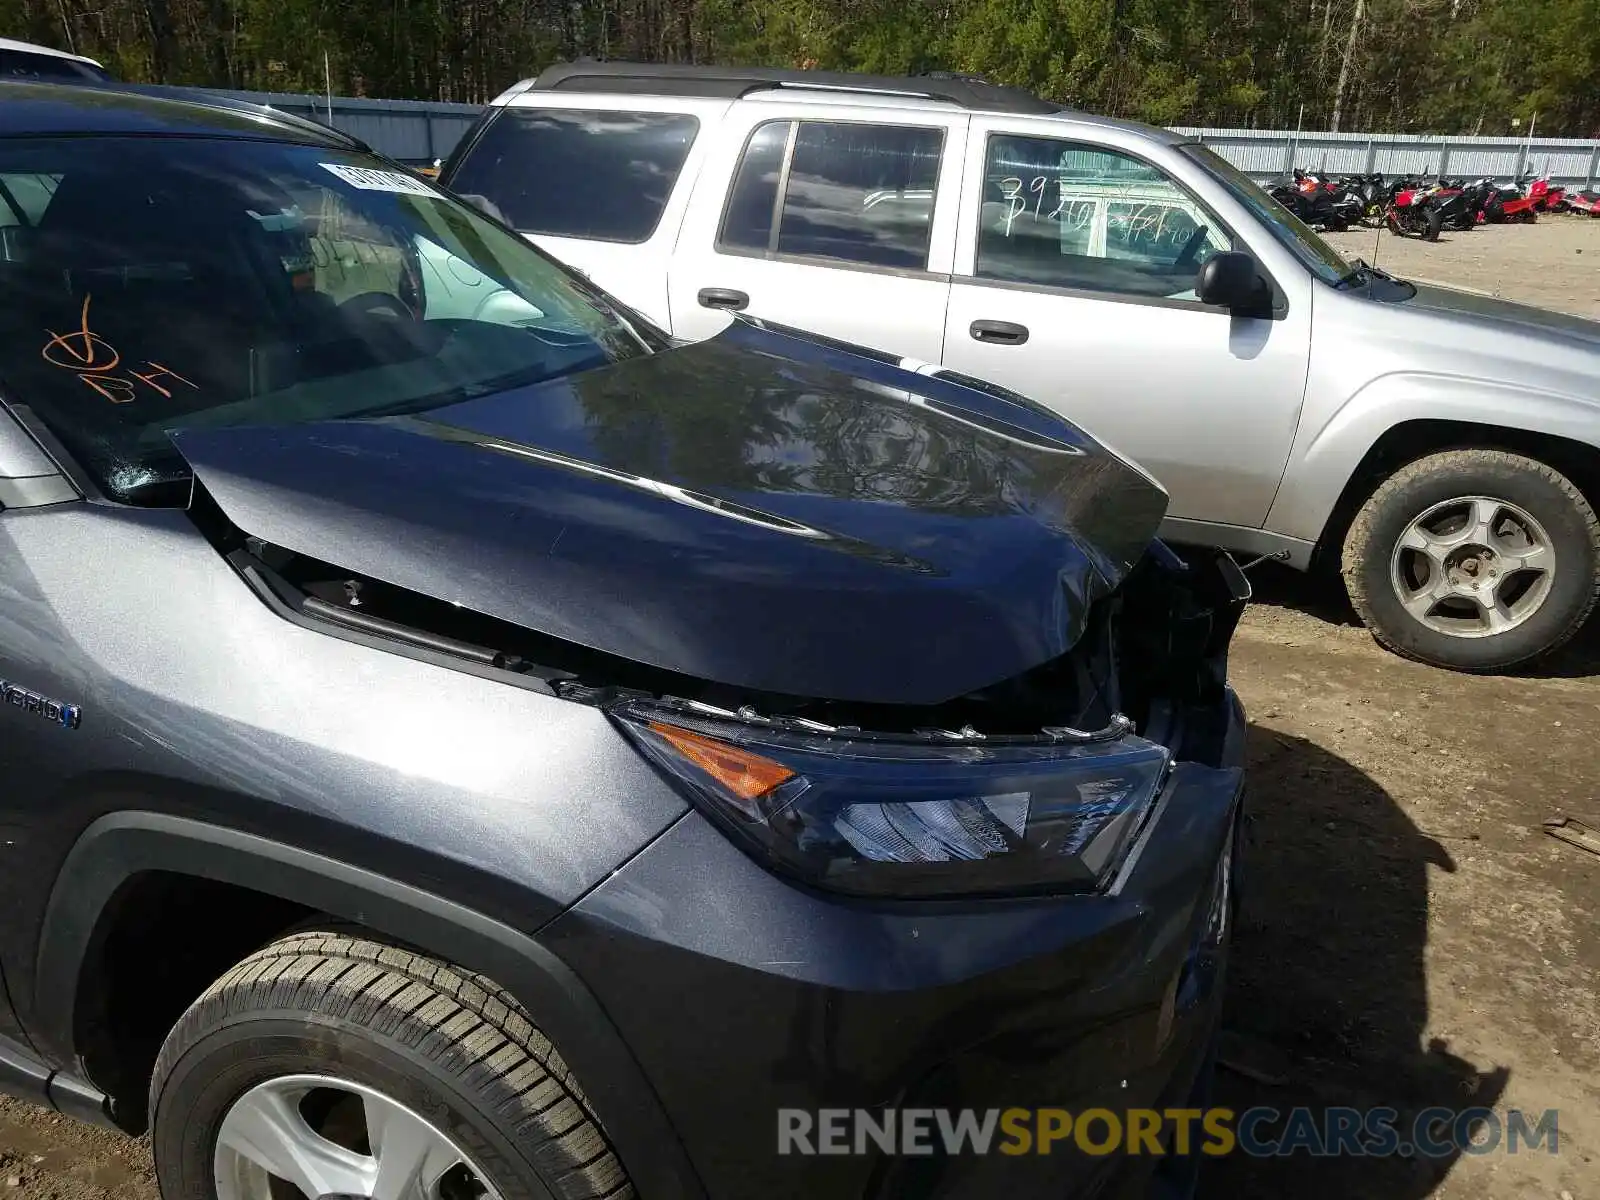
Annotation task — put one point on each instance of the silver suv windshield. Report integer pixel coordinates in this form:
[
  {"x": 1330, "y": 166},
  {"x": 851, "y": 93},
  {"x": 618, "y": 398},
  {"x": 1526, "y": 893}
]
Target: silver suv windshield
[
  {"x": 150, "y": 284},
  {"x": 1299, "y": 238}
]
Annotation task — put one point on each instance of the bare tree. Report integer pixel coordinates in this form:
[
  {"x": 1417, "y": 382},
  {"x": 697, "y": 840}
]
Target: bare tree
[
  {"x": 163, "y": 40},
  {"x": 1344, "y": 67},
  {"x": 66, "y": 26}
]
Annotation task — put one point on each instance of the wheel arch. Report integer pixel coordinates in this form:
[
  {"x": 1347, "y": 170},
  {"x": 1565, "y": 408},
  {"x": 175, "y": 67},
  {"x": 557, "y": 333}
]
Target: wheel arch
[
  {"x": 1340, "y": 438},
  {"x": 121, "y": 848},
  {"x": 1407, "y": 441}
]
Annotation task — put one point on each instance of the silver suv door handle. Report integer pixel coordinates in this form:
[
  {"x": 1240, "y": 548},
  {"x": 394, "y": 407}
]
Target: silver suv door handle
[
  {"x": 1003, "y": 333},
  {"x": 728, "y": 298}
]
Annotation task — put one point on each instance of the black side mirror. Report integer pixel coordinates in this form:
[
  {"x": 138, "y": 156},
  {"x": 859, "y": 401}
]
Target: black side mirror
[{"x": 1232, "y": 280}]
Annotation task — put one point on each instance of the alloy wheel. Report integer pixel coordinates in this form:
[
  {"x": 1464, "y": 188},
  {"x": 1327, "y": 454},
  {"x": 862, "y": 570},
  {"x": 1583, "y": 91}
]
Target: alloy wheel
[
  {"x": 1473, "y": 567},
  {"x": 325, "y": 1139}
]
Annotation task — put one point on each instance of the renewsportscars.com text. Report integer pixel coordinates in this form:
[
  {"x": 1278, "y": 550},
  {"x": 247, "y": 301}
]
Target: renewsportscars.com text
[{"x": 1260, "y": 1132}]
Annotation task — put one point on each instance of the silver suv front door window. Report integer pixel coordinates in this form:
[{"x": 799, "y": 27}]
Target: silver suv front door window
[{"x": 1060, "y": 214}]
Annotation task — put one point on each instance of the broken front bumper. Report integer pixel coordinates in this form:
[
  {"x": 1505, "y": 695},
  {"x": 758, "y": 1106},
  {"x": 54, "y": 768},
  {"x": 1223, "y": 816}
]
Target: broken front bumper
[{"x": 743, "y": 995}]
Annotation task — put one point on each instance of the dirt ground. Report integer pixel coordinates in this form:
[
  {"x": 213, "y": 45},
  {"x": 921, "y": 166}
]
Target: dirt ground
[{"x": 1408, "y": 936}]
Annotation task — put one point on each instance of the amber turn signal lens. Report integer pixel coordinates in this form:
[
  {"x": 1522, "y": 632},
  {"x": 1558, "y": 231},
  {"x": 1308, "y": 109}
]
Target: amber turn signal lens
[{"x": 746, "y": 775}]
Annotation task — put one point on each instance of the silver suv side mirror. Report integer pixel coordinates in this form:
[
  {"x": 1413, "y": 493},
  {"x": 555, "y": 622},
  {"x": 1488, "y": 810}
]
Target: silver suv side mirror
[{"x": 1232, "y": 280}]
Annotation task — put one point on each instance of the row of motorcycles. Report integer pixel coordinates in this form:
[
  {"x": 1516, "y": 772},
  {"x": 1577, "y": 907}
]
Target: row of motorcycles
[{"x": 1414, "y": 207}]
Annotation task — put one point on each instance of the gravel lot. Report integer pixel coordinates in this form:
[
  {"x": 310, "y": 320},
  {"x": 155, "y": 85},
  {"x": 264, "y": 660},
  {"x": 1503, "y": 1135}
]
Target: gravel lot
[{"x": 1409, "y": 936}]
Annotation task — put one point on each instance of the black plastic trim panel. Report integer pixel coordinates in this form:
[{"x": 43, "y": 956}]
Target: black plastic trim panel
[{"x": 26, "y": 1076}]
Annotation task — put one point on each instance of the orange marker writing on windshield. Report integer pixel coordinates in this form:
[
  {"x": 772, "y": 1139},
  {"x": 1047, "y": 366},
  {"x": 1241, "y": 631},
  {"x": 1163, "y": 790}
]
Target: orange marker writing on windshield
[{"x": 83, "y": 350}]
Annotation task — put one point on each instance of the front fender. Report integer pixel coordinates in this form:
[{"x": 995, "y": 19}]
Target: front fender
[
  {"x": 1325, "y": 458},
  {"x": 120, "y": 846}
]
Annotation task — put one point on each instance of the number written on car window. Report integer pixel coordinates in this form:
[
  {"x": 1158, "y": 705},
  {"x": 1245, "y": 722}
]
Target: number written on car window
[{"x": 1061, "y": 214}]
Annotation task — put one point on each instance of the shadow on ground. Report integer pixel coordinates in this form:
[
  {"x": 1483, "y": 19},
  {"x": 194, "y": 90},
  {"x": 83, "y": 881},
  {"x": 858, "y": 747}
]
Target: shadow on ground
[
  {"x": 1327, "y": 997},
  {"x": 1321, "y": 595},
  {"x": 1316, "y": 593}
]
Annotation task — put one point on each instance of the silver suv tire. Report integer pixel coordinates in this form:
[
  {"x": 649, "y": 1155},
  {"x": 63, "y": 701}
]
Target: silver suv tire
[{"x": 1476, "y": 560}]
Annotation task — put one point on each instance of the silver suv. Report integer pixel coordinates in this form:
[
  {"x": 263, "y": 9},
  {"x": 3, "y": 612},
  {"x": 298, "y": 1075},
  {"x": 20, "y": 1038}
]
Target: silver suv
[{"x": 1441, "y": 448}]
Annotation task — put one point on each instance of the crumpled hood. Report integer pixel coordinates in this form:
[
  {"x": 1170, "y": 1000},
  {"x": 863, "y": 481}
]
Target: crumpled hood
[{"x": 759, "y": 510}]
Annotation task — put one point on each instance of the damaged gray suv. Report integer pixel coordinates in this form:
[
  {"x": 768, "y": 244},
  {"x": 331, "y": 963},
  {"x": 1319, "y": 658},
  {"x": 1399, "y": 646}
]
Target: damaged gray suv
[{"x": 459, "y": 743}]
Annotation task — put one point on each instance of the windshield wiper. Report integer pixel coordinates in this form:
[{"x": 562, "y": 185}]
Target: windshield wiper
[
  {"x": 445, "y": 398},
  {"x": 462, "y": 393}
]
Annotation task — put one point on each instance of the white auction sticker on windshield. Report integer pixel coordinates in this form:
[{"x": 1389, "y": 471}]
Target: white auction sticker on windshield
[{"x": 370, "y": 179}]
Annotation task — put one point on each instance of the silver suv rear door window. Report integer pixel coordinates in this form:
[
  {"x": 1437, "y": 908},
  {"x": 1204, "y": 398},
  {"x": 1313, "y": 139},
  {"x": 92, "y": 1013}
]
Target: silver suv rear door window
[{"x": 841, "y": 190}]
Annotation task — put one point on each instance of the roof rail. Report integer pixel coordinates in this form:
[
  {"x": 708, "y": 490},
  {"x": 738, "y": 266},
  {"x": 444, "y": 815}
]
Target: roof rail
[
  {"x": 206, "y": 98},
  {"x": 680, "y": 79}
]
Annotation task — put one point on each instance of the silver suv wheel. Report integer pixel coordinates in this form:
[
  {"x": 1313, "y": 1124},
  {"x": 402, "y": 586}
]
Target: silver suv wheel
[
  {"x": 1473, "y": 566},
  {"x": 1474, "y": 559},
  {"x": 331, "y": 1139}
]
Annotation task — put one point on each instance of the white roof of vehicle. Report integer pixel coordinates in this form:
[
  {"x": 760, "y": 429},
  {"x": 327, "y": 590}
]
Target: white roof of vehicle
[
  {"x": 937, "y": 93},
  {"x": 30, "y": 48}
]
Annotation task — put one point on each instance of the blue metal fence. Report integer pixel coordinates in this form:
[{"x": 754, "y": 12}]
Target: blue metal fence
[
  {"x": 412, "y": 131},
  {"x": 1266, "y": 154},
  {"x": 418, "y": 131}
]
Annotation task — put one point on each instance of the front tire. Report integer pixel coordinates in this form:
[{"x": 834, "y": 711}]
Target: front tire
[
  {"x": 1433, "y": 225},
  {"x": 1475, "y": 560},
  {"x": 346, "y": 1067}
]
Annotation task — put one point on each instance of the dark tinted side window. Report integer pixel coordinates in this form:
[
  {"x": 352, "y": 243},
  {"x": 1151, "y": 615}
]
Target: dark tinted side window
[
  {"x": 747, "y": 224},
  {"x": 856, "y": 193},
  {"x": 578, "y": 173},
  {"x": 18, "y": 64}
]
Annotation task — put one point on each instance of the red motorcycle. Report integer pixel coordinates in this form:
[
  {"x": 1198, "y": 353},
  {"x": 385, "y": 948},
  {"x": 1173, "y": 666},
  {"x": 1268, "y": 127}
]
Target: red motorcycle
[
  {"x": 1584, "y": 203},
  {"x": 1512, "y": 203},
  {"x": 1413, "y": 212},
  {"x": 1546, "y": 196}
]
